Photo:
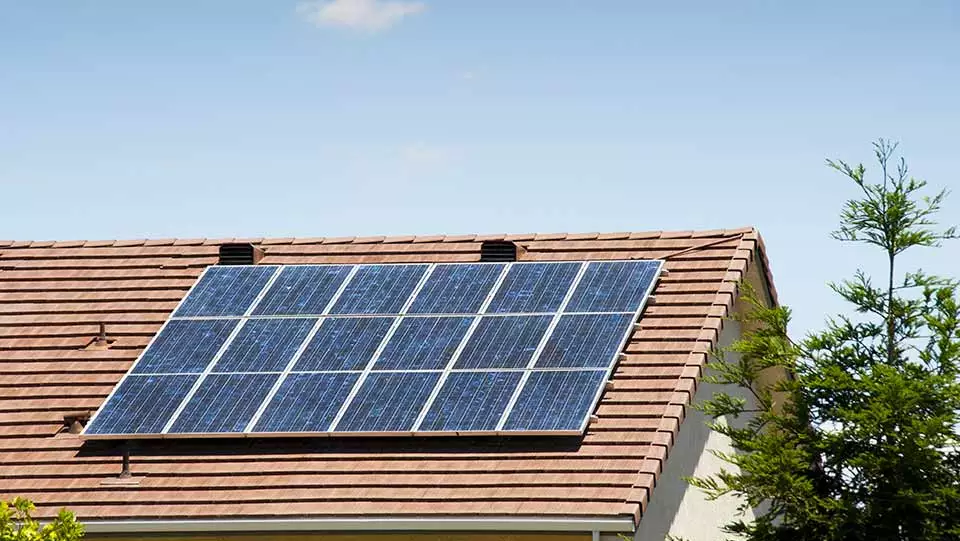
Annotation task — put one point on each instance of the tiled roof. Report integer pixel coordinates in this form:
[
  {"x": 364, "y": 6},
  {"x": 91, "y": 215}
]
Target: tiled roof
[{"x": 54, "y": 295}]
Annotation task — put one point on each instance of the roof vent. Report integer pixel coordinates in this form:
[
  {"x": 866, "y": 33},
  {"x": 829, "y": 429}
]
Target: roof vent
[
  {"x": 499, "y": 250},
  {"x": 239, "y": 254}
]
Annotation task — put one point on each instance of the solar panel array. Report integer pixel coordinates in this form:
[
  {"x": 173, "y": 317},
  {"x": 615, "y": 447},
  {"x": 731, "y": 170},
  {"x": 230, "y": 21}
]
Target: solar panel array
[{"x": 461, "y": 348}]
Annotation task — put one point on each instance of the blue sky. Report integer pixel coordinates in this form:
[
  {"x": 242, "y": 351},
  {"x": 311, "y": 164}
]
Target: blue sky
[{"x": 274, "y": 118}]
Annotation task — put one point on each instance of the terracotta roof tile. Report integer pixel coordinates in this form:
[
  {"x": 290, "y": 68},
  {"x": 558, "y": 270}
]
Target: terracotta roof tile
[
  {"x": 459, "y": 238},
  {"x": 54, "y": 295},
  {"x": 399, "y": 239},
  {"x": 308, "y": 240},
  {"x": 188, "y": 242},
  {"x": 338, "y": 240},
  {"x": 428, "y": 238}
]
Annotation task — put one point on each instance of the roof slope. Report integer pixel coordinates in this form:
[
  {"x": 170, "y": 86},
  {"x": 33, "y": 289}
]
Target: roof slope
[{"x": 53, "y": 296}]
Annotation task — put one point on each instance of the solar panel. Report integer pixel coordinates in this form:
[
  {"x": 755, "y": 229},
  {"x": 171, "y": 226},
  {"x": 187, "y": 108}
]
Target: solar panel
[
  {"x": 457, "y": 288},
  {"x": 463, "y": 348},
  {"x": 343, "y": 343},
  {"x": 264, "y": 345},
  {"x": 388, "y": 402},
  {"x": 185, "y": 346},
  {"x": 306, "y": 402},
  {"x": 471, "y": 402},
  {"x": 585, "y": 341},
  {"x": 379, "y": 289},
  {"x": 303, "y": 290},
  {"x": 555, "y": 400},
  {"x": 225, "y": 291},
  {"x": 142, "y": 404},
  {"x": 534, "y": 287},
  {"x": 224, "y": 403},
  {"x": 423, "y": 343},
  {"x": 503, "y": 342},
  {"x": 613, "y": 286}
]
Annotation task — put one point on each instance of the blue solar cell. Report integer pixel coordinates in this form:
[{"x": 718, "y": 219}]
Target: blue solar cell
[
  {"x": 471, "y": 401},
  {"x": 302, "y": 290},
  {"x": 224, "y": 403},
  {"x": 264, "y": 345},
  {"x": 423, "y": 343},
  {"x": 585, "y": 341},
  {"x": 456, "y": 289},
  {"x": 614, "y": 286},
  {"x": 306, "y": 402},
  {"x": 185, "y": 346},
  {"x": 555, "y": 400},
  {"x": 343, "y": 343},
  {"x": 225, "y": 291},
  {"x": 503, "y": 342},
  {"x": 379, "y": 289},
  {"x": 141, "y": 405},
  {"x": 388, "y": 402},
  {"x": 534, "y": 287}
]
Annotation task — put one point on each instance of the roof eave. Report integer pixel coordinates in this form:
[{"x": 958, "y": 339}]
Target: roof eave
[{"x": 412, "y": 523}]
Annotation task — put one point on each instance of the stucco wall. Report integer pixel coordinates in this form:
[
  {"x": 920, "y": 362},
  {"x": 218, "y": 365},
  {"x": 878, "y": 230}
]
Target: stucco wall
[{"x": 676, "y": 508}]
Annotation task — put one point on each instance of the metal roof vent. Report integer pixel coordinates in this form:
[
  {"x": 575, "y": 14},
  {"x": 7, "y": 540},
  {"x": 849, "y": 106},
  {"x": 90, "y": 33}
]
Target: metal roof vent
[
  {"x": 499, "y": 250},
  {"x": 239, "y": 254}
]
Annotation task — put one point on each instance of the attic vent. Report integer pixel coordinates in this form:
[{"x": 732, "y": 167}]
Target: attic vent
[
  {"x": 499, "y": 250},
  {"x": 239, "y": 254}
]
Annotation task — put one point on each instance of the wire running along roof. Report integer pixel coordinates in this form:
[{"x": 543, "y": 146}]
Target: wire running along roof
[{"x": 389, "y": 349}]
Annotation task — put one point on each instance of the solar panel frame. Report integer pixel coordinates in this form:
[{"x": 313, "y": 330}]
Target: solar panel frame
[{"x": 658, "y": 268}]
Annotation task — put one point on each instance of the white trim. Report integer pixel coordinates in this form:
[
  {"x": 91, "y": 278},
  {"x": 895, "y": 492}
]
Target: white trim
[{"x": 366, "y": 524}]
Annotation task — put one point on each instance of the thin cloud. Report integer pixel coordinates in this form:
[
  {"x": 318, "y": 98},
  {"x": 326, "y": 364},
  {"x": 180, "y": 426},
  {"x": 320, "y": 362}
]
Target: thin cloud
[
  {"x": 423, "y": 156},
  {"x": 365, "y": 15}
]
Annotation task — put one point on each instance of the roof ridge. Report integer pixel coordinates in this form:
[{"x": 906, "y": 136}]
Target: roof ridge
[{"x": 378, "y": 239}]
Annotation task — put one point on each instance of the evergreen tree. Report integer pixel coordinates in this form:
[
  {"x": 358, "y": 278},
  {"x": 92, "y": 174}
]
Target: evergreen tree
[{"x": 858, "y": 440}]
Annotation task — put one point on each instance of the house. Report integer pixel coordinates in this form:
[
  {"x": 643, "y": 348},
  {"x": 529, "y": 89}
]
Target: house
[{"x": 74, "y": 316}]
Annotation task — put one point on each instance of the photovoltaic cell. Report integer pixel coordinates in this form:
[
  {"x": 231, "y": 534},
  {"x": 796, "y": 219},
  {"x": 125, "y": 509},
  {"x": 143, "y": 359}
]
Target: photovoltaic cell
[
  {"x": 388, "y": 402},
  {"x": 185, "y": 346},
  {"x": 379, "y": 289},
  {"x": 534, "y": 287},
  {"x": 423, "y": 343},
  {"x": 225, "y": 291},
  {"x": 142, "y": 405},
  {"x": 302, "y": 290},
  {"x": 343, "y": 343},
  {"x": 613, "y": 286},
  {"x": 456, "y": 289},
  {"x": 503, "y": 342},
  {"x": 585, "y": 341},
  {"x": 471, "y": 401},
  {"x": 306, "y": 402},
  {"x": 555, "y": 400},
  {"x": 264, "y": 345},
  {"x": 224, "y": 403}
]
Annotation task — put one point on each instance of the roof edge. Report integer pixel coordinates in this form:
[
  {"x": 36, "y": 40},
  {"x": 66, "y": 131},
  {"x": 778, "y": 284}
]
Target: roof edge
[
  {"x": 413, "y": 523},
  {"x": 379, "y": 239}
]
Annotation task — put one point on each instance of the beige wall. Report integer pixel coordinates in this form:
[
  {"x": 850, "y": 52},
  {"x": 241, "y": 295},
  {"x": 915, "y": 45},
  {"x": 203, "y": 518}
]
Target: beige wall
[{"x": 677, "y": 508}]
